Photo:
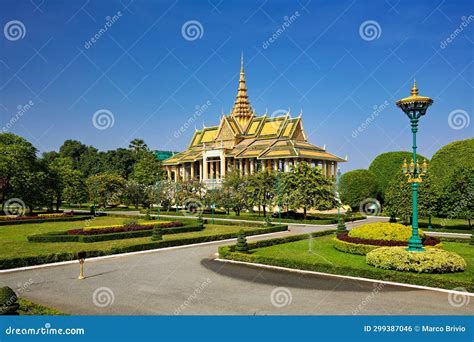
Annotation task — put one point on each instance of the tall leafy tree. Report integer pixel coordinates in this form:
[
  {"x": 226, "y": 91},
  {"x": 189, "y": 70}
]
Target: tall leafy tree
[
  {"x": 308, "y": 188},
  {"x": 261, "y": 189},
  {"x": 356, "y": 186},
  {"x": 147, "y": 170},
  {"x": 105, "y": 188}
]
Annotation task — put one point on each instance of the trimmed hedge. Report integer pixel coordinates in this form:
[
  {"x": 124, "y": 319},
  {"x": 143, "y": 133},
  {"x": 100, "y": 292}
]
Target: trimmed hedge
[
  {"x": 55, "y": 219},
  {"x": 227, "y": 252},
  {"x": 432, "y": 260},
  {"x": 353, "y": 248},
  {"x": 52, "y": 258},
  {"x": 65, "y": 237}
]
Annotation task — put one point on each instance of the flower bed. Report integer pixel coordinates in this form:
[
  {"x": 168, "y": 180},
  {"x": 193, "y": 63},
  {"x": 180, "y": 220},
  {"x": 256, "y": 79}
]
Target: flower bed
[
  {"x": 348, "y": 244},
  {"x": 122, "y": 229},
  {"x": 120, "y": 233},
  {"x": 34, "y": 217}
]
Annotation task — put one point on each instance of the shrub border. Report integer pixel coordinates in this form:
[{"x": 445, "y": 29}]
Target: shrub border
[
  {"x": 58, "y": 257},
  {"x": 57, "y": 219},
  {"x": 229, "y": 253},
  {"x": 64, "y": 237}
]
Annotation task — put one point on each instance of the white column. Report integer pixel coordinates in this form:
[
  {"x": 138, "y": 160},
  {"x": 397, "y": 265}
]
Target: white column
[
  {"x": 204, "y": 167},
  {"x": 222, "y": 165}
]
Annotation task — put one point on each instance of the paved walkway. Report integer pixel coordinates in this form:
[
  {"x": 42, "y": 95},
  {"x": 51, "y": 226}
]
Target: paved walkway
[{"x": 189, "y": 281}]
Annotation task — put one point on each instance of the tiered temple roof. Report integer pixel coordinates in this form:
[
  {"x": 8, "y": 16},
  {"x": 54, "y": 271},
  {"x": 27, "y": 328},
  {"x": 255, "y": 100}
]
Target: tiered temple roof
[{"x": 242, "y": 134}]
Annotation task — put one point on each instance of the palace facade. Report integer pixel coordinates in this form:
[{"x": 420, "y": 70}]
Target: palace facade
[{"x": 246, "y": 142}]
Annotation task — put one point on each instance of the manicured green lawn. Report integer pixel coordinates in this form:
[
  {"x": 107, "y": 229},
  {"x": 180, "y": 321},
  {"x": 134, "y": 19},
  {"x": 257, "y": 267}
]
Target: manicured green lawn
[
  {"x": 320, "y": 250},
  {"x": 14, "y": 243}
]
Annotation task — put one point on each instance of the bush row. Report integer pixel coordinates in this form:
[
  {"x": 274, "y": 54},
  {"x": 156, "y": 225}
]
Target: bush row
[
  {"x": 41, "y": 220},
  {"x": 321, "y": 266},
  {"x": 65, "y": 237},
  {"x": 122, "y": 228},
  {"x": 353, "y": 248},
  {"x": 57, "y": 257},
  {"x": 427, "y": 241}
]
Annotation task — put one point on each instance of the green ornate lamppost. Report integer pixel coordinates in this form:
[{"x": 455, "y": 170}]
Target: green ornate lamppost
[
  {"x": 341, "y": 227},
  {"x": 414, "y": 106}
]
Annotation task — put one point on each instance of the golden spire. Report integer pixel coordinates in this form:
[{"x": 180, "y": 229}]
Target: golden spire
[
  {"x": 414, "y": 90},
  {"x": 242, "y": 110}
]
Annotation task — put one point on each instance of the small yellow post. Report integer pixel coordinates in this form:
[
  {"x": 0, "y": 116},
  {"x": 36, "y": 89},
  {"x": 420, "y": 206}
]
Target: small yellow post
[{"x": 81, "y": 269}]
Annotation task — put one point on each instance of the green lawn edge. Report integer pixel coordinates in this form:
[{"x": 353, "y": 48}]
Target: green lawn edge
[
  {"x": 29, "y": 308},
  {"x": 229, "y": 253}
]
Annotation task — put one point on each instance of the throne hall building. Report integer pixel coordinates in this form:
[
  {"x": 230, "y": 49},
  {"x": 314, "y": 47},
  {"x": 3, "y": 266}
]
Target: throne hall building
[{"x": 246, "y": 142}]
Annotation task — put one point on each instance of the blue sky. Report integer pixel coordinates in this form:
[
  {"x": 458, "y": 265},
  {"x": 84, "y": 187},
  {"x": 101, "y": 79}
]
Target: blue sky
[{"x": 150, "y": 73}]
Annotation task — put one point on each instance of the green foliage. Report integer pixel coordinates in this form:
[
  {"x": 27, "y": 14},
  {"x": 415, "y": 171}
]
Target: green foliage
[
  {"x": 353, "y": 248},
  {"x": 449, "y": 160},
  {"x": 130, "y": 222},
  {"x": 28, "y": 308},
  {"x": 432, "y": 260},
  {"x": 307, "y": 188},
  {"x": 260, "y": 189},
  {"x": 398, "y": 202},
  {"x": 386, "y": 167},
  {"x": 233, "y": 194},
  {"x": 356, "y": 186},
  {"x": 268, "y": 221},
  {"x": 242, "y": 245},
  {"x": 383, "y": 231},
  {"x": 147, "y": 170},
  {"x": 104, "y": 188},
  {"x": 157, "y": 233},
  {"x": 457, "y": 196},
  {"x": 8, "y": 301}
]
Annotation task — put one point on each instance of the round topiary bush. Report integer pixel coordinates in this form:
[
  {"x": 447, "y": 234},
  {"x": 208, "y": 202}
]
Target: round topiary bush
[
  {"x": 432, "y": 260},
  {"x": 383, "y": 231},
  {"x": 8, "y": 304}
]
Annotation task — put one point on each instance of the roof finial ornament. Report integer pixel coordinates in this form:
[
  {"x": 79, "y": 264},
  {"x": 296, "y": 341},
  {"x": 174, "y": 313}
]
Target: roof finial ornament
[
  {"x": 242, "y": 61},
  {"x": 414, "y": 90},
  {"x": 301, "y": 113}
]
